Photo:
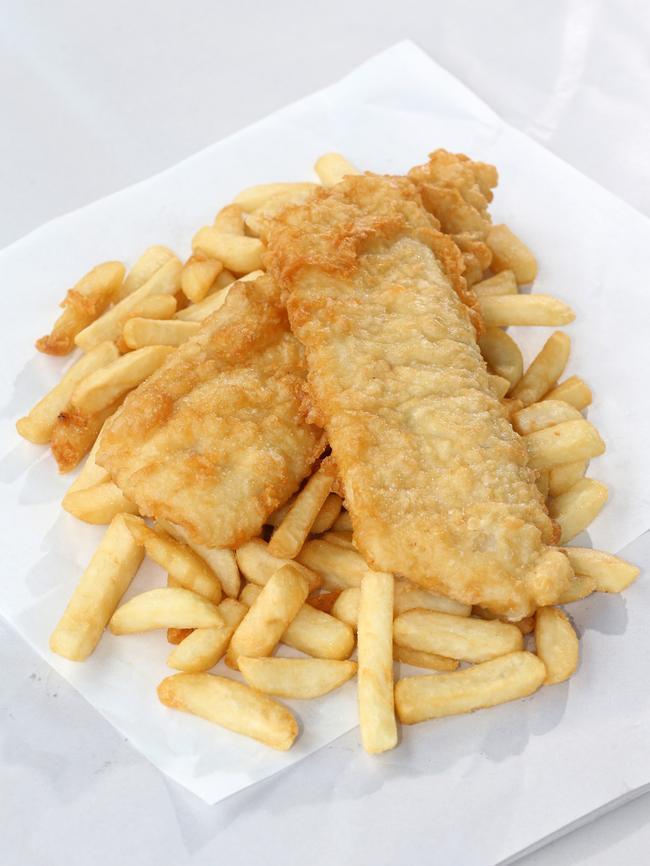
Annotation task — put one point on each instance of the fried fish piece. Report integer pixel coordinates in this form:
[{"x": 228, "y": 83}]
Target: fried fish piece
[
  {"x": 457, "y": 191},
  {"x": 218, "y": 437},
  {"x": 435, "y": 478}
]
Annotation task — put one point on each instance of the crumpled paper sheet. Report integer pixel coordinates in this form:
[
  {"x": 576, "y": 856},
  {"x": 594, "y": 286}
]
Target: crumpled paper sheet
[{"x": 385, "y": 116}]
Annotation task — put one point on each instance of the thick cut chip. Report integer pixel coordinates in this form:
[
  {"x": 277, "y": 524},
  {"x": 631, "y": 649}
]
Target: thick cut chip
[
  {"x": 232, "y": 705},
  {"x": 434, "y": 476},
  {"x": 497, "y": 681},
  {"x": 81, "y": 306},
  {"x": 217, "y": 438}
]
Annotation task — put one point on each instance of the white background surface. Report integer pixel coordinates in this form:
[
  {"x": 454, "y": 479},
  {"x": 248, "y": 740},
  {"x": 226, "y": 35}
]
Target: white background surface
[{"x": 94, "y": 99}]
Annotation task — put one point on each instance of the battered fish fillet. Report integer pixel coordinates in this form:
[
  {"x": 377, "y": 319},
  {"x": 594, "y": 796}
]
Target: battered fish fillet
[
  {"x": 435, "y": 477},
  {"x": 457, "y": 191},
  {"x": 217, "y": 438}
]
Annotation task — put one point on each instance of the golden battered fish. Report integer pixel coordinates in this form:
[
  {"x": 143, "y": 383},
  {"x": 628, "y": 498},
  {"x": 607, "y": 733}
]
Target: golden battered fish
[
  {"x": 457, "y": 191},
  {"x": 435, "y": 478},
  {"x": 217, "y": 438}
]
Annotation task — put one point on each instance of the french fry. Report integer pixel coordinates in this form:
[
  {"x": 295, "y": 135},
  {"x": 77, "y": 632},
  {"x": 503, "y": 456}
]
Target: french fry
[
  {"x": 166, "y": 280},
  {"x": 198, "y": 276},
  {"x": 561, "y": 478},
  {"x": 573, "y": 390},
  {"x": 343, "y": 522},
  {"x": 290, "y": 535},
  {"x": 250, "y": 276},
  {"x": 258, "y": 565},
  {"x": 138, "y": 333},
  {"x": 230, "y": 220},
  {"x": 544, "y": 370},
  {"x": 318, "y": 634},
  {"x": 343, "y": 539},
  {"x": 578, "y": 507},
  {"x": 375, "y": 674},
  {"x": 276, "y": 517},
  {"x": 74, "y": 434},
  {"x": 581, "y": 586},
  {"x": 346, "y": 606},
  {"x": 563, "y": 443},
  {"x": 503, "y": 283},
  {"x": 500, "y": 386},
  {"x": 151, "y": 260},
  {"x": 178, "y": 635},
  {"x": 463, "y": 638},
  {"x": 327, "y": 515},
  {"x": 226, "y": 278},
  {"x": 100, "y": 588},
  {"x": 556, "y": 643},
  {"x": 324, "y": 600},
  {"x": 268, "y": 617},
  {"x": 231, "y": 705},
  {"x": 331, "y": 168},
  {"x": 525, "y": 625},
  {"x": 38, "y": 425},
  {"x": 300, "y": 679},
  {"x": 166, "y": 607},
  {"x": 182, "y": 564},
  {"x": 505, "y": 310},
  {"x": 91, "y": 472},
  {"x": 98, "y": 504},
  {"x": 502, "y": 354},
  {"x": 255, "y": 224},
  {"x": 254, "y": 197},
  {"x": 510, "y": 253},
  {"x": 103, "y": 387},
  {"x": 610, "y": 573},
  {"x": 249, "y": 594},
  {"x": 238, "y": 253},
  {"x": 152, "y": 307},
  {"x": 199, "y": 312},
  {"x": 313, "y": 632},
  {"x": 221, "y": 560},
  {"x": 203, "y": 647},
  {"x": 539, "y": 416},
  {"x": 418, "y": 659},
  {"x": 498, "y": 681},
  {"x": 409, "y": 596},
  {"x": 82, "y": 305},
  {"x": 338, "y": 568}
]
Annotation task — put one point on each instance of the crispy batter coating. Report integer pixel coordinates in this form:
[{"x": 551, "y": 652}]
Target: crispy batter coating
[
  {"x": 82, "y": 305},
  {"x": 74, "y": 434},
  {"x": 217, "y": 438},
  {"x": 435, "y": 478},
  {"x": 457, "y": 191}
]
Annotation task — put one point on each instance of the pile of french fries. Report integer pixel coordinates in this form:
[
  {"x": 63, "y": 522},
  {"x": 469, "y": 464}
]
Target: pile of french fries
[{"x": 303, "y": 584}]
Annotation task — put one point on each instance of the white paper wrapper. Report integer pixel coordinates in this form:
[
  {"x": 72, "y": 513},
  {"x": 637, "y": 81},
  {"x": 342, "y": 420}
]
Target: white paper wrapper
[{"x": 385, "y": 116}]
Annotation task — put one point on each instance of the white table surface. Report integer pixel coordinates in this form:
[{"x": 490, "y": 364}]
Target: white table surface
[{"x": 95, "y": 96}]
